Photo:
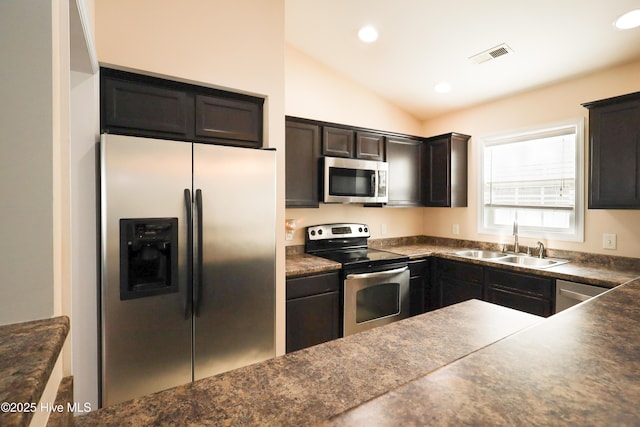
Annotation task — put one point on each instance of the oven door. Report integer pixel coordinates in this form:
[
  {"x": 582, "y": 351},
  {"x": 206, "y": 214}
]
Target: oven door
[{"x": 375, "y": 299}]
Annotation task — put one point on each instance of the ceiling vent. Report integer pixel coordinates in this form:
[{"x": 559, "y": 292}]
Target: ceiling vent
[{"x": 492, "y": 53}]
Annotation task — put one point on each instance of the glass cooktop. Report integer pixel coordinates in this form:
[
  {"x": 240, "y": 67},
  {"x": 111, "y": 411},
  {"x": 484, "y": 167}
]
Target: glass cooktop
[{"x": 356, "y": 256}]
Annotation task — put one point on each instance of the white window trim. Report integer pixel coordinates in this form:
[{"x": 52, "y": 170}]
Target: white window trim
[{"x": 513, "y": 135}]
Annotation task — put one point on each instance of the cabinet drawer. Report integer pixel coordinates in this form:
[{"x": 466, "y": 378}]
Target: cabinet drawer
[
  {"x": 459, "y": 270},
  {"x": 299, "y": 287},
  {"x": 534, "y": 285}
]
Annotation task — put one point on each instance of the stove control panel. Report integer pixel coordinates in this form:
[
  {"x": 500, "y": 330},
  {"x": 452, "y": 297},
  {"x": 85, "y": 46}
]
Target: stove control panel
[{"x": 334, "y": 231}]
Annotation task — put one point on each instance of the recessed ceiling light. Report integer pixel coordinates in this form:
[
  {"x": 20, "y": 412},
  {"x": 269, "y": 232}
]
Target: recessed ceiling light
[
  {"x": 442, "y": 87},
  {"x": 628, "y": 20},
  {"x": 368, "y": 34}
]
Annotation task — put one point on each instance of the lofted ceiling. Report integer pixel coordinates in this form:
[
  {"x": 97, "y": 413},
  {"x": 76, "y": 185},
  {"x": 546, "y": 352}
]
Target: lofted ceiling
[{"x": 425, "y": 42}]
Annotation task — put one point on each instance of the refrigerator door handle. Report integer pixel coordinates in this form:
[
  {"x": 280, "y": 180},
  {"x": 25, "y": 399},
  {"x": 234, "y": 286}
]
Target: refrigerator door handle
[
  {"x": 188, "y": 303},
  {"x": 199, "y": 246}
]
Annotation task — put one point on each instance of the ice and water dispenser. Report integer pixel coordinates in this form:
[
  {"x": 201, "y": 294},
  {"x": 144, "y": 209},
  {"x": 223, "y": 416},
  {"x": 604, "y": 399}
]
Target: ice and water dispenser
[{"x": 148, "y": 257}]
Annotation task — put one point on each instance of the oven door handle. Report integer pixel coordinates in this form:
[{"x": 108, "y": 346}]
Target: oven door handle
[{"x": 377, "y": 273}]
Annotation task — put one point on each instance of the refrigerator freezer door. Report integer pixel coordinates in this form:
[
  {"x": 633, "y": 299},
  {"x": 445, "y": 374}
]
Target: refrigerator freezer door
[
  {"x": 235, "y": 320},
  {"x": 146, "y": 334}
]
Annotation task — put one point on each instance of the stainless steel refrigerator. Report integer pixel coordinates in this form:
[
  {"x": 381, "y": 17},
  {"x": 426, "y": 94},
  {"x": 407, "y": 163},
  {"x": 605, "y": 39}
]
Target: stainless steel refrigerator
[{"x": 188, "y": 262}]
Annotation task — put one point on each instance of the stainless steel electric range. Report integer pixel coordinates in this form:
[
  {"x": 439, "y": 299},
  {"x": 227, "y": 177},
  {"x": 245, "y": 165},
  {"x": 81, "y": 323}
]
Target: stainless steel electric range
[{"x": 375, "y": 282}]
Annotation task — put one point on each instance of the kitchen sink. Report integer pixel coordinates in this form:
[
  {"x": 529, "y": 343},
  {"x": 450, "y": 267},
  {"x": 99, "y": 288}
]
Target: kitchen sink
[
  {"x": 529, "y": 261},
  {"x": 479, "y": 254},
  {"x": 511, "y": 258}
]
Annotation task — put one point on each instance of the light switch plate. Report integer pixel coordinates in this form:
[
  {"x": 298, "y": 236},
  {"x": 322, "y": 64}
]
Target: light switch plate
[{"x": 609, "y": 241}]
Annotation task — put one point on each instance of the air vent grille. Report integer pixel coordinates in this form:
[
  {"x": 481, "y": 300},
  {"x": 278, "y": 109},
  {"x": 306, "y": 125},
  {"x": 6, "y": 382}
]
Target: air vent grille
[{"x": 490, "y": 54}]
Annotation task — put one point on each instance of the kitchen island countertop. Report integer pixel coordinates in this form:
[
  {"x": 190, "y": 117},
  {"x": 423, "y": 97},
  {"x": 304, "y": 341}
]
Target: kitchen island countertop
[
  {"x": 28, "y": 353},
  {"x": 579, "y": 367},
  {"x": 313, "y": 384}
]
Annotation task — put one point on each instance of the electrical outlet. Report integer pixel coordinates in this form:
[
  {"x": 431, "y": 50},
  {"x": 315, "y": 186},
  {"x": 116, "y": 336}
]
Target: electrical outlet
[
  {"x": 455, "y": 229},
  {"x": 609, "y": 241},
  {"x": 383, "y": 229}
]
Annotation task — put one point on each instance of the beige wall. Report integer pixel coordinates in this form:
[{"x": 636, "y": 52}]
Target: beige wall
[
  {"x": 236, "y": 45},
  {"x": 314, "y": 91},
  {"x": 544, "y": 105}
]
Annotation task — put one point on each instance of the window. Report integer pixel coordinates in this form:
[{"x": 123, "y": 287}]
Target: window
[{"x": 535, "y": 177}]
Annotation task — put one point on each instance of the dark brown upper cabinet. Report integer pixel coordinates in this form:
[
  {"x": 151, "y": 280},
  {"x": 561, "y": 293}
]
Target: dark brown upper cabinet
[
  {"x": 445, "y": 170},
  {"x": 405, "y": 171},
  {"x": 370, "y": 146},
  {"x": 134, "y": 104},
  {"x": 228, "y": 119},
  {"x": 337, "y": 142},
  {"x": 614, "y": 152},
  {"x": 302, "y": 149},
  {"x": 144, "y": 109}
]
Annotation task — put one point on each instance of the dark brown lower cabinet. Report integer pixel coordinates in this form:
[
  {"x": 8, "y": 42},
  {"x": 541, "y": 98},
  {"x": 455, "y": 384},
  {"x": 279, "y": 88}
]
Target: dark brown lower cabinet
[
  {"x": 455, "y": 282},
  {"x": 313, "y": 310}
]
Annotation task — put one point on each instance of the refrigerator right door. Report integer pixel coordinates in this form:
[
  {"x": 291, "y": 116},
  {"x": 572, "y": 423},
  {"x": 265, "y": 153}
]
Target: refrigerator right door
[{"x": 234, "y": 281}]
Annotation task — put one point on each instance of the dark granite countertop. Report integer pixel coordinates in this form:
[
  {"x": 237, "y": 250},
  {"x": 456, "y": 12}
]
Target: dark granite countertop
[
  {"x": 598, "y": 270},
  {"x": 315, "y": 383},
  {"x": 28, "y": 353},
  {"x": 300, "y": 264},
  {"x": 578, "y": 367}
]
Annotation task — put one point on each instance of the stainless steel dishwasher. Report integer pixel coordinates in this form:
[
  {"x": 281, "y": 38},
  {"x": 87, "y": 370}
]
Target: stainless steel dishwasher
[{"x": 571, "y": 293}]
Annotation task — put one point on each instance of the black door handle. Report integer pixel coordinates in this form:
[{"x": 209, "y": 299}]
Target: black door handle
[
  {"x": 197, "y": 296},
  {"x": 188, "y": 305}
]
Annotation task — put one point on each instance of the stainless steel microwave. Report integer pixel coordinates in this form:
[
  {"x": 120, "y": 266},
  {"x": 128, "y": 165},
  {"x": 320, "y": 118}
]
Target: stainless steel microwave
[{"x": 355, "y": 181}]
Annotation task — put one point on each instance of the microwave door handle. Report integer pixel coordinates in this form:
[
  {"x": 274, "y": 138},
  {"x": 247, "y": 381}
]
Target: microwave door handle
[{"x": 374, "y": 183}]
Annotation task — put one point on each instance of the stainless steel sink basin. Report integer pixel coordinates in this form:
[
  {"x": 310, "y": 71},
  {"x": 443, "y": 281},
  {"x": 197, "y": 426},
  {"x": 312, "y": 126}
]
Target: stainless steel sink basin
[
  {"x": 528, "y": 261},
  {"x": 511, "y": 258},
  {"x": 479, "y": 254}
]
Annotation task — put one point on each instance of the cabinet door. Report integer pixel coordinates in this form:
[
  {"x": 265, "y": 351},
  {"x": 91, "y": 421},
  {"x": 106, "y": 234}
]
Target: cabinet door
[
  {"x": 236, "y": 122},
  {"x": 453, "y": 290},
  {"x": 369, "y": 146},
  {"x": 405, "y": 167},
  {"x": 437, "y": 183},
  {"x": 312, "y": 320},
  {"x": 302, "y": 149},
  {"x": 140, "y": 109},
  {"x": 419, "y": 300},
  {"x": 457, "y": 282},
  {"x": 445, "y": 171},
  {"x": 615, "y": 156},
  {"x": 337, "y": 142}
]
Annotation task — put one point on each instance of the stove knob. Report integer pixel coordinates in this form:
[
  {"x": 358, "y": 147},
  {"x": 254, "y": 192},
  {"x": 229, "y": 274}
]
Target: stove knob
[
  {"x": 366, "y": 229},
  {"x": 360, "y": 229},
  {"x": 313, "y": 232},
  {"x": 320, "y": 232}
]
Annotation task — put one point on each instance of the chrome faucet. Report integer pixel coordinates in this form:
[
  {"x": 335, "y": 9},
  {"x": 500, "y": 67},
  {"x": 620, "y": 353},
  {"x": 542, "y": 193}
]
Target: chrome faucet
[
  {"x": 540, "y": 249},
  {"x": 516, "y": 246}
]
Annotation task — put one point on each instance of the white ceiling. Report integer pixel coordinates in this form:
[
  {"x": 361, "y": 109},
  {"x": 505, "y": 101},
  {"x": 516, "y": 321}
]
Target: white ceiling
[{"x": 424, "y": 42}]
